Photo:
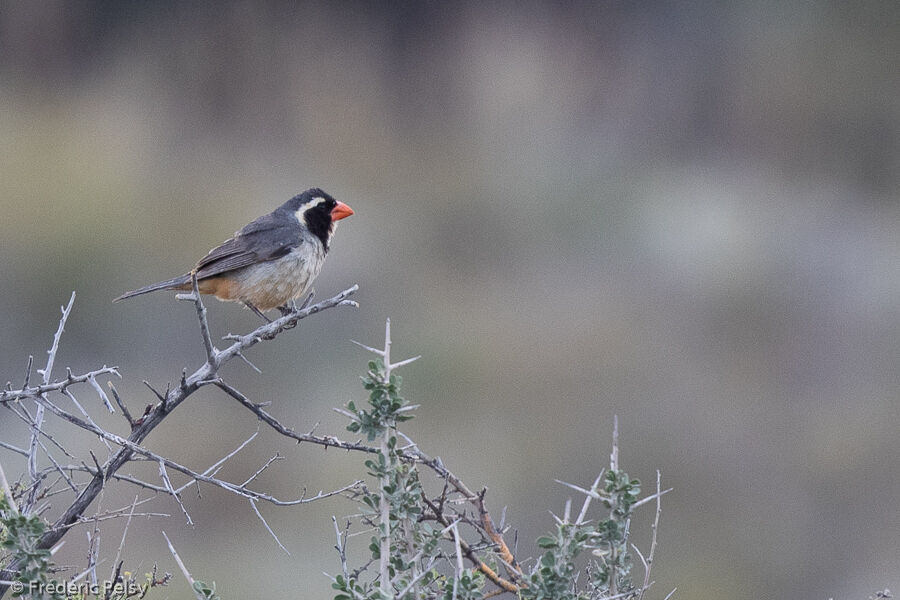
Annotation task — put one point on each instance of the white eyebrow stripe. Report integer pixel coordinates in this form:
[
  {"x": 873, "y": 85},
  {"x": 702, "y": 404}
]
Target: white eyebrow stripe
[{"x": 301, "y": 212}]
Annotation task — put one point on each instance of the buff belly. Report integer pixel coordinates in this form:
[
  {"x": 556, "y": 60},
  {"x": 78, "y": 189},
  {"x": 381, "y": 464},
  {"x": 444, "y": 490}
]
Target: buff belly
[{"x": 273, "y": 283}]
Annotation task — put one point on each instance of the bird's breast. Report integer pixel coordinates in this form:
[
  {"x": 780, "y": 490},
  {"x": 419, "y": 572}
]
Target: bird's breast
[{"x": 274, "y": 283}]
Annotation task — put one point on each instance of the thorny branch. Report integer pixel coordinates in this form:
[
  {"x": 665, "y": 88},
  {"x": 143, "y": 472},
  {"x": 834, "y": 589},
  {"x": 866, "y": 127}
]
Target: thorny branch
[
  {"x": 456, "y": 506},
  {"x": 130, "y": 447}
]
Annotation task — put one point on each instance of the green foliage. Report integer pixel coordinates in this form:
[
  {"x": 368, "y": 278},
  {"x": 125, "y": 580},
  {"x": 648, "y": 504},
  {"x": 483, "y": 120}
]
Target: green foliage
[
  {"x": 469, "y": 586},
  {"x": 415, "y": 543},
  {"x": 612, "y": 534},
  {"x": 553, "y": 578},
  {"x": 423, "y": 562},
  {"x": 205, "y": 590},
  {"x": 385, "y": 402},
  {"x": 21, "y": 535}
]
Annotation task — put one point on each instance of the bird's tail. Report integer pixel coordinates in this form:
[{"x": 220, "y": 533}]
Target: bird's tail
[{"x": 169, "y": 284}]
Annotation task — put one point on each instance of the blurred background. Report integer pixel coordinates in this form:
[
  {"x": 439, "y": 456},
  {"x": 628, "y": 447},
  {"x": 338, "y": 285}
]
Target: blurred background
[{"x": 683, "y": 214}]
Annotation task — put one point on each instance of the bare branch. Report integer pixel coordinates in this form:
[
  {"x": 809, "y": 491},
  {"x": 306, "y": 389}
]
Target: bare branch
[
  {"x": 28, "y": 504},
  {"x": 194, "y": 296},
  {"x": 87, "y": 416},
  {"x": 116, "y": 563},
  {"x": 651, "y": 497},
  {"x": 457, "y": 572},
  {"x": 58, "y": 467},
  {"x": 160, "y": 397},
  {"x": 648, "y": 562},
  {"x": 102, "y": 394},
  {"x": 183, "y": 568},
  {"x": 165, "y": 477},
  {"x": 151, "y": 419},
  {"x": 15, "y": 449},
  {"x": 327, "y": 441},
  {"x": 341, "y": 546},
  {"x": 28, "y": 366},
  {"x": 250, "y": 479},
  {"x": 121, "y": 404},
  {"x": 51, "y": 353},
  {"x": 270, "y": 330},
  {"x": 39, "y": 390},
  {"x": 269, "y": 529}
]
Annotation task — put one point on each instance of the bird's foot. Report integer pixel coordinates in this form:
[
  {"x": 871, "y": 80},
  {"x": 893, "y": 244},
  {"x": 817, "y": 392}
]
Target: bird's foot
[
  {"x": 258, "y": 312},
  {"x": 308, "y": 300},
  {"x": 288, "y": 309}
]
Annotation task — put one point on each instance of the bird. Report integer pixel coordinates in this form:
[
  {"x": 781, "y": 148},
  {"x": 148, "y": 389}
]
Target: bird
[{"x": 271, "y": 261}]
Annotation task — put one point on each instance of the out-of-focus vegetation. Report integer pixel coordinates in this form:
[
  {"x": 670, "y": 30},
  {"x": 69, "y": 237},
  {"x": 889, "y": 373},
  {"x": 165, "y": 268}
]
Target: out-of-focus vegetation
[{"x": 685, "y": 215}]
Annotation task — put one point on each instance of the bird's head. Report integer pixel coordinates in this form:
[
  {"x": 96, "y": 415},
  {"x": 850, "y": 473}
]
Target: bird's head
[{"x": 319, "y": 212}]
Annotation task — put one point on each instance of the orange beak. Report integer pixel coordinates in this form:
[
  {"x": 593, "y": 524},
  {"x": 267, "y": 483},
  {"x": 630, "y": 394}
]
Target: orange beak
[{"x": 341, "y": 211}]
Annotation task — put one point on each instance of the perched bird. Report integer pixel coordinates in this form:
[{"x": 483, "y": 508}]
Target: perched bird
[{"x": 271, "y": 261}]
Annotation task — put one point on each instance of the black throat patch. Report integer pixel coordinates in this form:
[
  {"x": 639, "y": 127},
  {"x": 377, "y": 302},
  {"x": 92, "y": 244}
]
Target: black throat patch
[{"x": 318, "y": 221}]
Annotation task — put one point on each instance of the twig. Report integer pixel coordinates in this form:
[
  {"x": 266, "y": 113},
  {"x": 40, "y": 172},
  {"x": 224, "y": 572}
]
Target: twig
[
  {"x": 121, "y": 404},
  {"x": 183, "y": 568},
  {"x": 648, "y": 562},
  {"x": 250, "y": 479},
  {"x": 164, "y": 475},
  {"x": 57, "y": 466},
  {"x": 87, "y": 416},
  {"x": 502, "y": 549},
  {"x": 28, "y": 504},
  {"x": 152, "y": 418},
  {"x": 39, "y": 390},
  {"x": 269, "y": 529},
  {"x": 102, "y": 394},
  {"x": 194, "y": 296},
  {"x": 159, "y": 396},
  {"x": 327, "y": 441},
  {"x": 268, "y": 331},
  {"x": 93, "y": 550},
  {"x": 587, "y": 501},
  {"x": 470, "y": 554},
  {"x": 651, "y": 497},
  {"x": 340, "y": 546},
  {"x": 457, "y": 572},
  {"x": 138, "y": 449},
  {"x": 15, "y": 449},
  {"x": 28, "y": 366}
]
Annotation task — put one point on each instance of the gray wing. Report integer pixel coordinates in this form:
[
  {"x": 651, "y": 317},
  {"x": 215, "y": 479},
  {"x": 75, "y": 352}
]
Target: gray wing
[{"x": 267, "y": 238}]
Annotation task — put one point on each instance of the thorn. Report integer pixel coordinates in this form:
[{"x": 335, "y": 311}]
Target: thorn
[
  {"x": 250, "y": 364},
  {"x": 405, "y": 362},
  {"x": 369, "y": 348},
  {"x": 308, "y": 300},
  {"x": 96, "y": 462},
  {"x": 155, "y": 393},
  {"x": 28, "y": 371}
]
